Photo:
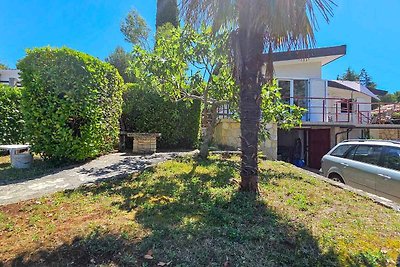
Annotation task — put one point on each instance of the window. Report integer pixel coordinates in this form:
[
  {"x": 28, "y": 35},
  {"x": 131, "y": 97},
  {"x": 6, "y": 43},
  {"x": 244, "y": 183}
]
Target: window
[
  {"x": 285, "y": 91},
  {"x": 346, "y": 105},
  {"x": 300, "y": 92},
  {"x": 368, "y": 154},
  {"x": 391, "y": 158},
  {"x": 341, "y": 151}
]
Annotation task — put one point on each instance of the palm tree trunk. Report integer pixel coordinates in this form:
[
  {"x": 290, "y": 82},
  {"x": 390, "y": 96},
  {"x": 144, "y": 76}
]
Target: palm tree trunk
[{"x": 251, "y": 49}]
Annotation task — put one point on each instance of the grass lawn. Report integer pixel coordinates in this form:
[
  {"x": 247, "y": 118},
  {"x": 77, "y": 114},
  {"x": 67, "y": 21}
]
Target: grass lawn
[
  {"x": 39, "y": 167},
  {"x": 189, "y": 213}
]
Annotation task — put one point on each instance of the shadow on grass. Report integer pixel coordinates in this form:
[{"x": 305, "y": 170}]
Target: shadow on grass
[
  {"x": 196, "y": 218},
  {"x": 39, "y": 168}
]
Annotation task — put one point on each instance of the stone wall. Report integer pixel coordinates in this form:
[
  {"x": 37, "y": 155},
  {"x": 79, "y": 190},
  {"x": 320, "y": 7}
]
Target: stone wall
[
  {"x": 227, "y": 135},
  {"x": 385, "y": 134},
  {"x": 270, "y": 146}
]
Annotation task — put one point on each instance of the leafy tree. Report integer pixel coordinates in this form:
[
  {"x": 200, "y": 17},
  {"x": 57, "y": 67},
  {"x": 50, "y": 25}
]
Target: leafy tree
[
  {"x": 135, "y": 29},
  {"x": 257, "y": 26},
  {"x": 366, "y": 80},
  {"x": 121, "y": 59},
  {"x": 180, "y": 51},
  {"x": 349, "y": 75},
  {"x": 389, "y": 98},
  {"x": 3, "y": 66},
  {"x": 167, "y": 12}
]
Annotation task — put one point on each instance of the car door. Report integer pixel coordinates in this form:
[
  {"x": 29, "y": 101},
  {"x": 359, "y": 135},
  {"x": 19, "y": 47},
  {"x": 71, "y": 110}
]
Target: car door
[
  {"x": 388, "y": 180},
  {"x": 361, "y": 166}
]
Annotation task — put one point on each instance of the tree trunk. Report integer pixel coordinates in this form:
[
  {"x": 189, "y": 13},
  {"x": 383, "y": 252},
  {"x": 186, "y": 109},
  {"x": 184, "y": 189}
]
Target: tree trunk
[
  {"x": 211, "y": 122},
  {"x": 251, "y": 45}
]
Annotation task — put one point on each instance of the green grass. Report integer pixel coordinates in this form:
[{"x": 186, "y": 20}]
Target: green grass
[{"x": 190, "y": 213}]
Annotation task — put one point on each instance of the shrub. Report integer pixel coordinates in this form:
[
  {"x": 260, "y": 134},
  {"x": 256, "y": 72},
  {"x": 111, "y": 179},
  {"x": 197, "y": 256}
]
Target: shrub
[
  {"x": 71, "y": 103},
  {"x": 144, "y": 110},
  {"x": 11, "y": 122}
]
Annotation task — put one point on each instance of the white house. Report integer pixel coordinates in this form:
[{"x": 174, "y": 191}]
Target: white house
[
  {"x": 336, "y": 110},
  {"x": 10, "y": 77}
]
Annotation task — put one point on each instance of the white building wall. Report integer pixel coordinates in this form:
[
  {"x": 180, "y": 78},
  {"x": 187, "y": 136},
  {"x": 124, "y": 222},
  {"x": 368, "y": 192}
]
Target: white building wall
[
  {"x": 363, "y": 105},
  {"x": 7, "y": 75},
  {"x": 298, "y": 70},
  {"x": 317, "y": 102}
]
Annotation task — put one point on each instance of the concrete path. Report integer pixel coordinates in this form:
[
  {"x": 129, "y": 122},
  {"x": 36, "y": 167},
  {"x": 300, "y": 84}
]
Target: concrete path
[{"x": 106, "y": 167}]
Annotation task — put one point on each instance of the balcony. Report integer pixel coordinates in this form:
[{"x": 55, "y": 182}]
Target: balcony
[{"x": 338, "y": 111}]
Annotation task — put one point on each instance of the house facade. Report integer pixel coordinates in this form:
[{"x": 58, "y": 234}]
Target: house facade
[
  {"x": 10, "y": 77},
  {"x": 336, "y": 110}
]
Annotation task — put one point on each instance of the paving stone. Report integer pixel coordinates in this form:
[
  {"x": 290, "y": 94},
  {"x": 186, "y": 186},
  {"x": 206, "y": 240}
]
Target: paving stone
[{"x": 106, "y": 167}]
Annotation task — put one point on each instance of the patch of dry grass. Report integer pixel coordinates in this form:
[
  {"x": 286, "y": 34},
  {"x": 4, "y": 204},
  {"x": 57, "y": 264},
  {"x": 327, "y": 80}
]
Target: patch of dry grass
[{"x": 189, "y": 213}]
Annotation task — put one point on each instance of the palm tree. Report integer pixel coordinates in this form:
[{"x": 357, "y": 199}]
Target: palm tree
[{"x": 257, "y": 26}]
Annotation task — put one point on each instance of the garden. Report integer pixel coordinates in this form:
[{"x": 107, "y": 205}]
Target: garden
[
  {"x": 188, "y": 212},
  {"x": 204, "y": 210}
]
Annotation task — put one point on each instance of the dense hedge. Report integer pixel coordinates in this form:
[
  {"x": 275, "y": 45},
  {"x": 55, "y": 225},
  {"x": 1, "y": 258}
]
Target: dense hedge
[
  {"x": 146, "y": 111},
  {"x": 11, "y": 122},
  {"x": 71, "y": 103}
]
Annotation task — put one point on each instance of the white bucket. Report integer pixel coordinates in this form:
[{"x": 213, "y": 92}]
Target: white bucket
[{"x": 22, "y": 161}]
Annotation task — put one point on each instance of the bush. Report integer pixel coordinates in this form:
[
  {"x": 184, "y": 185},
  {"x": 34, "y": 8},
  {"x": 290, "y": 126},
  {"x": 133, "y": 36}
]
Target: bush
[
  {"x": 11, "y": 123},
  {"x": 71, "y": 103},
  {"x": 144, "y": 110}
]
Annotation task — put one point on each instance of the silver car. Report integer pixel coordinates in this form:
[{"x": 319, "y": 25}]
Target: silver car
[{"x": 370, "y": 165}]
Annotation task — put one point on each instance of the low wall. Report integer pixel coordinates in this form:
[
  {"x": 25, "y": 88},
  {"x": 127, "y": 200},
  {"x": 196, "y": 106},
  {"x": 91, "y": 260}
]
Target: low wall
[
  {"x": 227, "y": 135},
  {"x": 385, "y": 134}
]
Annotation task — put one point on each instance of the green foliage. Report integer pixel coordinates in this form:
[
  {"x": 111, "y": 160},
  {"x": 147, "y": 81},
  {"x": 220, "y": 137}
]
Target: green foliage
[
  {"x": 11, "y": 122},
  {"x": 120, "y": 59},
  {"x": 71, "y": 103},
  {"x": 182, "y": 51},
  {"x": 135, "y": 29},
  {"x": 167, "y": 12},
  {"x": 349, "y": 75},
  {"x": 144, "y": 110},
  {"x": 274, "y": 110},
  {"x": 363, "y": 77},
  {"x": 186, "y": 64},
  {"x": 366, "y": 80},
  {"x": 3, "y": 66}
]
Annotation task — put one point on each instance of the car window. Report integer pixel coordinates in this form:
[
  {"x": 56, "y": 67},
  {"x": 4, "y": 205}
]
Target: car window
[
  {"x": 391, "y": 158},
  {"x": 368, "y": 154},
  {"x": 341, "y": 150},
  {"x": 350, "y": 153}
]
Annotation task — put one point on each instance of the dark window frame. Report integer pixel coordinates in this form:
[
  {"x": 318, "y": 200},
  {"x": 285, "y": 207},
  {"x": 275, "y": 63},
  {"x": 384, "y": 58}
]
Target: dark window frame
[{"x": 346, "y": 105}]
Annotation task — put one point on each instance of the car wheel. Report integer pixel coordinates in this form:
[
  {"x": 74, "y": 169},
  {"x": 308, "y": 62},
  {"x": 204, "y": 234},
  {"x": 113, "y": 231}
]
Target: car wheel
[{"x": 336, "y": 177}]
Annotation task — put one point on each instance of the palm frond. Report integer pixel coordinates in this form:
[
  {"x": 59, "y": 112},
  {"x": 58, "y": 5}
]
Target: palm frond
[{"x": 285, "y": 24}]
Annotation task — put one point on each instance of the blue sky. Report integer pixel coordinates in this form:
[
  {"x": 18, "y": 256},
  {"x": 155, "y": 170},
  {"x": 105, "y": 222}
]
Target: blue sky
[{"x": 370, "y": 29}]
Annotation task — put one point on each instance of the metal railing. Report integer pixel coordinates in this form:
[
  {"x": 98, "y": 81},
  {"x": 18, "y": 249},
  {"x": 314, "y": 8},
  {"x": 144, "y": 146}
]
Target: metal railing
[{"x": 338, "y": 110}]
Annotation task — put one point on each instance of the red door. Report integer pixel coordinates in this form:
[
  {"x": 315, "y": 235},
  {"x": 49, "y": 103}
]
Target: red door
[{"x": 319, "y": 144}]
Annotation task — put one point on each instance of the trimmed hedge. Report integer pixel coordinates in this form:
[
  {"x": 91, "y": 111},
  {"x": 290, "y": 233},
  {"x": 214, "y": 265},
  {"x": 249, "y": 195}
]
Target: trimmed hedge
[
  {"x": 11, "y": 122},
  {"x": 71, "y": 103},
  {"x": 145, "y": 111}
]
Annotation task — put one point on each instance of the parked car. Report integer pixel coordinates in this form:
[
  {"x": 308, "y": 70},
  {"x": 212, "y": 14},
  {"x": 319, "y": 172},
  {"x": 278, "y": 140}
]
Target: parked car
[{"x": 370, "y": 165}]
